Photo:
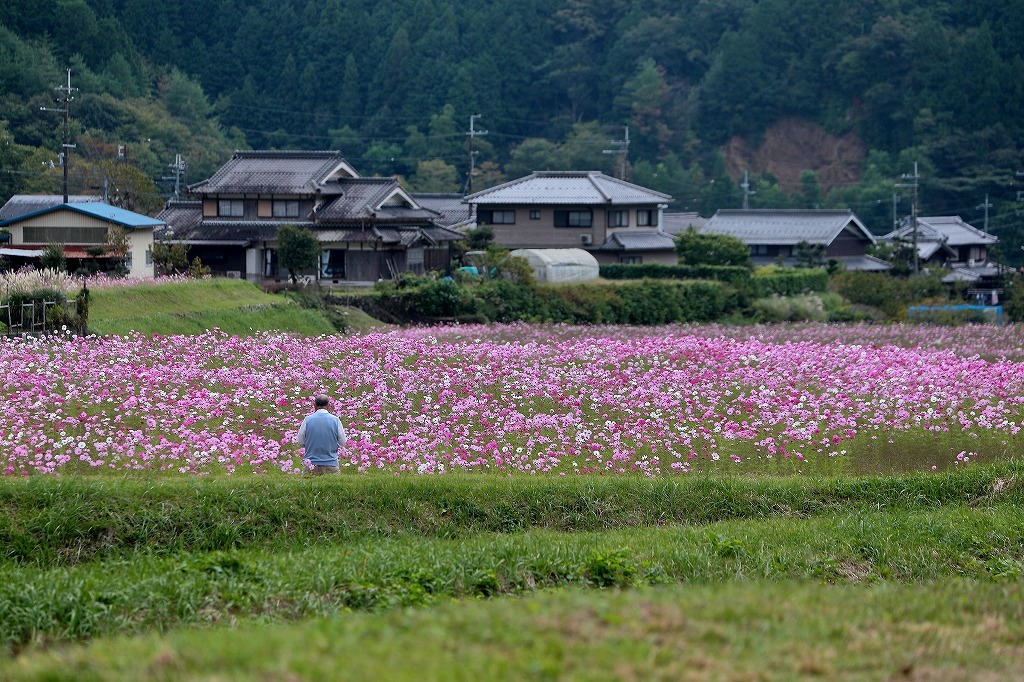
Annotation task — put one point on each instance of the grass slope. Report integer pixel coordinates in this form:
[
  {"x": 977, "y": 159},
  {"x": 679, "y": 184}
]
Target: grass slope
[
  {"x": 233, "y": 306},
  {"x": 737, "y": 631}
]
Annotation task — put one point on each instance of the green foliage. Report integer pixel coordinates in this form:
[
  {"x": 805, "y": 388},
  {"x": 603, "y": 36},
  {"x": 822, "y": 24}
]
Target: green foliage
[
  {"x": 53, "y": 258},
  {"x": 170, "y": 259},
  {"x": 892, "y": 295},
  {"x": 697, "y": 248},
  {"x": 787, "y": 282},
  {"x": 298, "y": 249},
  {"x": 733, "y": 274},
  {"x": 805, "y": 307},
  {"x": 421, "y": 298}
]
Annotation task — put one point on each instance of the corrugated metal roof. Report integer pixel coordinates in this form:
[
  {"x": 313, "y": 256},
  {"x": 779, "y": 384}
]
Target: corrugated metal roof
[
  {"x": 785, "y": 226},
  {"x": 580, "y": 188},
  {"x": 271, "y": 172},
  {"x": 98, "y": 210},
  {"x": 949, "y": 229},
  {"x": 646, "y": 240},
  {"x": 23, "y": 204}
]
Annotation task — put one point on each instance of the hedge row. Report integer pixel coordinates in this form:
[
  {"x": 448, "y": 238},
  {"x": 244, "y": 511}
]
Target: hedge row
[
  {"x": 787, "y": 282},
  {"x": 635, "y": 302}
]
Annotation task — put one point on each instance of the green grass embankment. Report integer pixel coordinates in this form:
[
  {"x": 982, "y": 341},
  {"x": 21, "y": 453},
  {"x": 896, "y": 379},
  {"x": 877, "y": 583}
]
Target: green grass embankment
[
  {"x": 91, "y": 558},
  {"x": 235, "y": 307}
]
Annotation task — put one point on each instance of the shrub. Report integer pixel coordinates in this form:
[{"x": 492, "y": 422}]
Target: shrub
[
  {"x": 802, "y": 308},
  {"x": 733, "y": 274},
  {"x": 787, "y": 282},
  {"x": 889, "y": 294}
]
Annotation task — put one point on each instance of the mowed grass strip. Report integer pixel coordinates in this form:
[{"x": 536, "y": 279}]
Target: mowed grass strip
[
  {"x": 854, "y": 547},
  {"x": 50, "y": 521},
  {"x": 233, "y": 306},
  {"x": 957, "y": 630}
]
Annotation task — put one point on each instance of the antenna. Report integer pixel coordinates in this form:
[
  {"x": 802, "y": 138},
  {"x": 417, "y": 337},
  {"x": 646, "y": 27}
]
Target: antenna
[
  {"x": 472, "y": 152},
  {"x": 622, "y": 148},
  {"x": 64, "y": 98}
]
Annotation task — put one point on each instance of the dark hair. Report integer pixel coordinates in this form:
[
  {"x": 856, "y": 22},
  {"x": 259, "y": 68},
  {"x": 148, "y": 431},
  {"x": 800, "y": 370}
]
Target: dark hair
[{"x": 321, "y": 401}]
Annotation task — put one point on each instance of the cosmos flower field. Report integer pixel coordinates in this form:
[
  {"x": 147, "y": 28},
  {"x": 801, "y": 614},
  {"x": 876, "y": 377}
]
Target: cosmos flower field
[{"x": 543, "y": 400}]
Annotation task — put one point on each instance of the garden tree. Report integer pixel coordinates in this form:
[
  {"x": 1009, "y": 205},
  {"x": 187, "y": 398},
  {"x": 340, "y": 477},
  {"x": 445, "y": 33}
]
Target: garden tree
[
  {"x": 696, "y": 248},
  {"x": 477, "y": 239},
  {"x": 117, "y": 247},
  {"x": 809, "y": 255},
  {"x": 297, "y": 249},
  {"x": 899, "y": 253},
  {"x": 53, "y": 257},
  {"x": 170, "y": 259},
  {"x": 127, "y": 186}
]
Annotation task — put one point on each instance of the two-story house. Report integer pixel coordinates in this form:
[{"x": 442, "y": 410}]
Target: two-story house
[
  {"x": 774, "y": 235},
  {"x": 945, "y": 241},
  {"x": 81, "y": 228},
  {"x": 369, "y": 228},
  {"x": 616, "y": 221}
]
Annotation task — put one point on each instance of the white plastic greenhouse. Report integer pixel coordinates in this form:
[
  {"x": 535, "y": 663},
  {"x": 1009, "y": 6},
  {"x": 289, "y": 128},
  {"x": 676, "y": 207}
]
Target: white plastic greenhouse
[{"x": 560, "y": 265}]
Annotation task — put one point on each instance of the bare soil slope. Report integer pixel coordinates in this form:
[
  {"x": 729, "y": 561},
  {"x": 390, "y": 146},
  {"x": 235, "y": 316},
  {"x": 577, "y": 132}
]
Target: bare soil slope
[{"x": 792, "y": 146}]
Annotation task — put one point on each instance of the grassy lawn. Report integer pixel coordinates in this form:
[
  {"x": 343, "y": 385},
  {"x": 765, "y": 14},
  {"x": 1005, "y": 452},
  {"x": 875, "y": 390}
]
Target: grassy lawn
[{"x": 233, "y": 306}]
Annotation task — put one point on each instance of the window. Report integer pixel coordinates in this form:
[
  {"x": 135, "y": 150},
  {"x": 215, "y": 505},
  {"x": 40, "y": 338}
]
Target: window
[
  {"x": 631, "y": 260},
  {"x": 758, "y": 249},
  {"x": 128, "y": 260},
  {"x": 534, "y": 214},
  {"x": 332, "y": 263},
  {"x": 618, "y": 218},
  {"x": 496, "y": 217},
  {"x": 645, "y": 217},
  {"x": 286, "y": 209},
  {"x": 232, "y": 208},
  {"x": 576, "y": 218},
  {"x": 149, "y": 256},
  {"x": 63, "y": 235}
]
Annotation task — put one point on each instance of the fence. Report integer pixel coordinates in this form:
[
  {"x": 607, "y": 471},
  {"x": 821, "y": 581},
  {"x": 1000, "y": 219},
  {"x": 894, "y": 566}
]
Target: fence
[{"x": 32, "y": 318}]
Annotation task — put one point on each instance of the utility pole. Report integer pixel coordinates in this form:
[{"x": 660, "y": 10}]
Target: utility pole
[
  {"x": 896, "y": 198},
  {"x": 622, "y": 149},
  {"x": 747, "y": 192},
  {"x": 913, "y": 210},
  {"x": 179, "y": 169},
  {"x": 472, "y": 152},
  {"x": 985, "y": 206},
  {"x": 65, "y": 99}
]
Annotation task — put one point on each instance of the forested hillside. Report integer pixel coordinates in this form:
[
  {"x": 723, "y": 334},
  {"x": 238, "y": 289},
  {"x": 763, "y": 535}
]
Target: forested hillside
[{"x": 825, "y": 102}]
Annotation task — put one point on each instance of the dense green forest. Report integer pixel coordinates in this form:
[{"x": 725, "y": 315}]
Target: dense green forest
[{"x": 555, "y": 83}]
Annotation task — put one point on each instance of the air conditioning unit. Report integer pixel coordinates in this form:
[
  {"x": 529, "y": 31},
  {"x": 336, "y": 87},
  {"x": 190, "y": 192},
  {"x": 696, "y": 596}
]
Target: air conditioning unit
[
  {"x": 233, "y": 274},
  {"x": 586, "y": 239},
  {"x": 970, "y": 262}
]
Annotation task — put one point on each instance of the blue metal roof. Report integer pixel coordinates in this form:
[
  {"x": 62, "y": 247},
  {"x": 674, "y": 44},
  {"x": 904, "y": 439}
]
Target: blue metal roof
[{"x": 113, "y": 214}]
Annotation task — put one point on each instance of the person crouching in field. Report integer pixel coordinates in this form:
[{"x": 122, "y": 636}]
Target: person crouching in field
[{"x": 322, "y": 434}]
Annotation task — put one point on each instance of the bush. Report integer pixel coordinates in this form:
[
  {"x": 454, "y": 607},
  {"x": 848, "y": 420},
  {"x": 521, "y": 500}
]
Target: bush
[
  {"x": 786, "y": 282},
  {"x": 802, "y": 308},
  {"x": 889, "y": 294},
  {"x": 424, "y": 298},
  {"x": 733, "y": 274}
]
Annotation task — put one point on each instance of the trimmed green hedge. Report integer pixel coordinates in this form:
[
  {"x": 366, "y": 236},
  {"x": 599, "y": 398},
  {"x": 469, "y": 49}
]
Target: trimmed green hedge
[
  {"x": 787, "y": 282},
  {"x": 645, "y": 301},
  {"x": 733, "y": 274}
]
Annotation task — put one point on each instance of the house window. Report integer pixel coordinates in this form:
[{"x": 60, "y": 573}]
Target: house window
[
  {"x": 231, "y": 208},
  {"x": 149, "y": 256},
  {"x": 578, "y": 218},
  {"x": 618, "y": 218},
  {"x": 63, "y": 235},
  {"x": 645, "y": 217},
  {"x": 758, "y": 249},
  {"x": 534, "y": 214},
  {"x": 128, "y": 260},
  {"x": 631, "y": 260},
  {"x": 286, "y": 209},
  {"x": 497, "y": 217},
  {"x": 269, "y": 263}
]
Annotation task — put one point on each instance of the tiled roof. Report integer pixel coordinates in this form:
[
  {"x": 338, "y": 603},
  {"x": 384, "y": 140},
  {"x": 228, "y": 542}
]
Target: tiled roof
[
  {"x": 949, "y": 229},
  {"x": 181, "y": 217},
  {"x": 98, "y": 210},
  {"x": 579, "y": 188},
  {"x": 677, "y": 223},
  {"x": 271, "y": 172},
  {"x": 450, "y": 208},
  {"x": 23, "y": 204},
  {"x": 646, "y": 240},
  {"x": 785, "y": 226},
  {"x": 361, "y": 199}
]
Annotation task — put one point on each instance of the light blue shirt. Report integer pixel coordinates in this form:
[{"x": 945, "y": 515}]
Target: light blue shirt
[{"x": 322, "y": 434}]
